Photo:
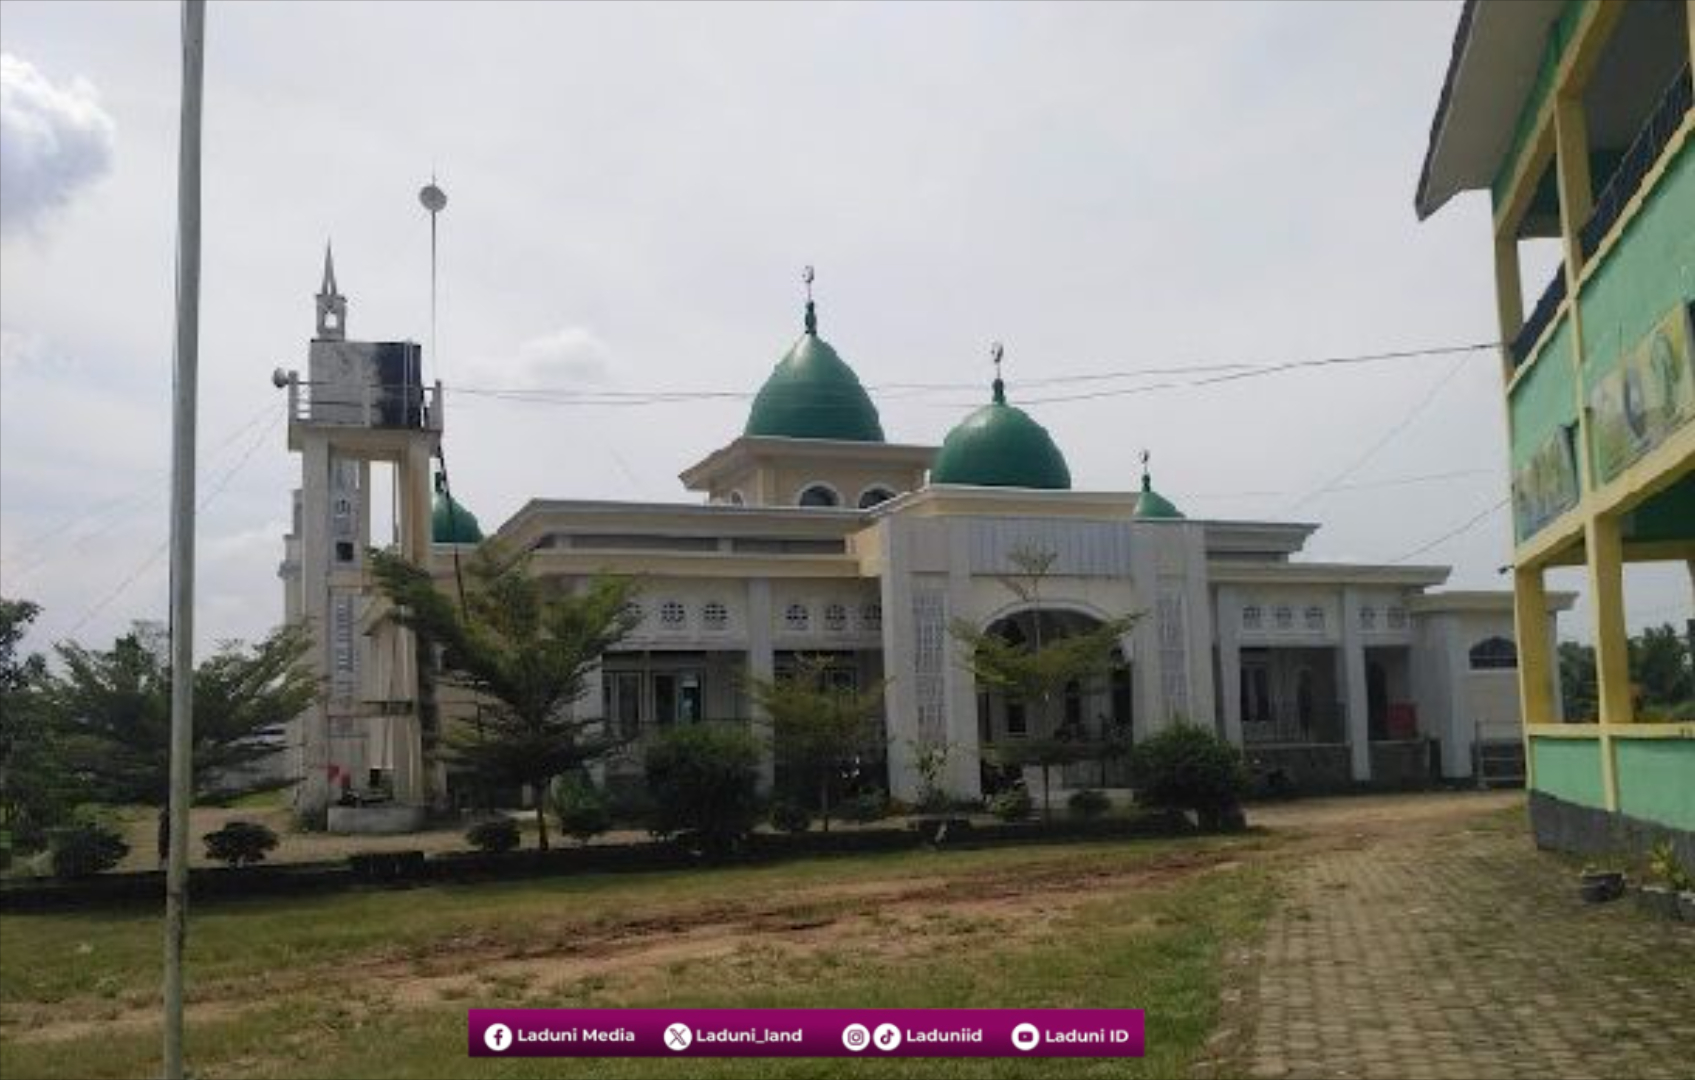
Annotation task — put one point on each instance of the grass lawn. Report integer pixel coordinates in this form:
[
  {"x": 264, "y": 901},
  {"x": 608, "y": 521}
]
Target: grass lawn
[{"x": 378, "y": 983}]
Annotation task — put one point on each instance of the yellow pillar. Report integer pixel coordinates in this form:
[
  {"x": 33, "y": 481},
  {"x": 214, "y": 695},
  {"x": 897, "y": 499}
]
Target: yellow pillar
[
  {"x": 1577, "y": 191},
  {"x": 1509, "y": 294},
  {"x": 1535, "y": 660},
  {"x": 1605, "y": 544}
]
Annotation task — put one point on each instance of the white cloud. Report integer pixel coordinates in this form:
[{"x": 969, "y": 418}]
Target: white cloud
[
  {"x": 562, "y": 360},
  {"x": 54, "y": 141}
]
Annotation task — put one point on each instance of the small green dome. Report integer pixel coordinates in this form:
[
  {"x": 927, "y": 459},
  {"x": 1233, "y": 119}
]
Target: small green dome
[
  {"x": 813, "y": 394},
  {"x": 450, "y": 522},
  {"x": 1151, "y": 505},
  {"x": 999, "y": 445}
]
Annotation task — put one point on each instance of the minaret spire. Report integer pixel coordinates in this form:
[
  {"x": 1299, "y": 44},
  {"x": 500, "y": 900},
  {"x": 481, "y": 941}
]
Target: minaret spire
[
  {"x": 996, "y": 352},
  {"x": 332, "y": 306},
  {"x": 806, "y": 275},
  {"x": 1147, "y": 481}
]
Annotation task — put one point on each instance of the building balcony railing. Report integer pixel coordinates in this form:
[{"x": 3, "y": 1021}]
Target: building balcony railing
[
  {"x": 1540, "y": 316},
  {"x": 1638, "y": 161},
  {"x": 364, "y": 405},
  {"x": 1321, "y": 722}
]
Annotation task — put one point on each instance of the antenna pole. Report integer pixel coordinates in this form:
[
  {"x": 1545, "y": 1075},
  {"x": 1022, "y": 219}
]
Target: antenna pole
[
  {"x": 433, "y": 199},
  {"x": 185, "y": 394}
]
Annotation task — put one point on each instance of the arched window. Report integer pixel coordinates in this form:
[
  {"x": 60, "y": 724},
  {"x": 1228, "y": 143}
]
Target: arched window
[
  {"x": 673, "y": 615},
  {"x": 715, "y": 616},
  {"x": 1494, "y": 654},
  {"x": 819, "y": 495},
  {"x": 797, "y": 617},
  {"x": 835, "y": 618},
  {"x": 873, "y": 495}
]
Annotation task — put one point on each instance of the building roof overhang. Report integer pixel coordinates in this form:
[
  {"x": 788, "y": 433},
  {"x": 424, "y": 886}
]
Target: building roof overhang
[
  {"x": 749, "y": 450},
  {"x": 1497, "y": 50},
  {"x": 1492, "y": 601},
  {"x": 1231, "y": 572}
]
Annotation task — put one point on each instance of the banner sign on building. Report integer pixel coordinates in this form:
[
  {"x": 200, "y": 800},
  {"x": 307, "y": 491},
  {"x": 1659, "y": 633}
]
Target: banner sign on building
[
  {"x": 1545, "y": 486},
  {"x": 1649, "y": 395}
]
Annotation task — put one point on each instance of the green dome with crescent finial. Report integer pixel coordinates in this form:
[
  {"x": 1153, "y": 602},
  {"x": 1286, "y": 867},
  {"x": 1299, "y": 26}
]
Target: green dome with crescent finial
[
  {"x": 813, "y": 394},
  {"x": 999, "y": 445},
  {"x": 1150, "y": 504},
  {"x": 450, "y": 522}
]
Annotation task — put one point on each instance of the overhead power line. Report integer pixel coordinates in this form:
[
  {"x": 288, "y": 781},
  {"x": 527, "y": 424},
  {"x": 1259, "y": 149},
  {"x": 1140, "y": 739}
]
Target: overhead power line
[
  {"x": 1209, "y": 375},
  {"x": 1466, "y": 526}
]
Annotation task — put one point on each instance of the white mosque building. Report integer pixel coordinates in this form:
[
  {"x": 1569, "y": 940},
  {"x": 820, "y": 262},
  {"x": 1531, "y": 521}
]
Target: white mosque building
[{"x": 814, "y": 534}]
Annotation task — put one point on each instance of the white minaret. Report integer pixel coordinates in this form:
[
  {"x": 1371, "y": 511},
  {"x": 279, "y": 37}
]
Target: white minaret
[{"x": 362, "y": 404}]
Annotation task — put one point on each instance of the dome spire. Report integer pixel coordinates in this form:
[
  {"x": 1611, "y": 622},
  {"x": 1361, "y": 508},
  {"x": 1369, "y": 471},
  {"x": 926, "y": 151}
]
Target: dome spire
[
  {"x": 806, "y": 275},
  {"x": 996, "y": 352},
  {"x": 1147, "y": 481}
]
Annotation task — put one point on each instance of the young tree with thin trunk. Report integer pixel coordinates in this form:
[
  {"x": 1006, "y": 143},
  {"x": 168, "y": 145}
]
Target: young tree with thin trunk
[
  {"x": 525, "y": 646},
  {"x": 820, "y": 727},
  {"x": 1036, "y": 672}
]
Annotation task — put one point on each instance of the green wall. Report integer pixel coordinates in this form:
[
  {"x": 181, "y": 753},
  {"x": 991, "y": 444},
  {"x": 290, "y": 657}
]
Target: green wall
[
  {"x": 1656, "y": 780},
  {"x": 1543, "y": 399},
  {"x": 1569, "y": 769},
  {"x": 1650, "y": 271}
]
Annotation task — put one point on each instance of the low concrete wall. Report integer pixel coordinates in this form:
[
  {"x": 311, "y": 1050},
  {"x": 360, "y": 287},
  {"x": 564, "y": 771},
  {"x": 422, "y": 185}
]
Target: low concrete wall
[
  {"x": 1298, "y": 769},
  {"x": 383, "y": 819},
  {"x": 1401, "y": 766},
  {"x": 1585, "y": 830}
]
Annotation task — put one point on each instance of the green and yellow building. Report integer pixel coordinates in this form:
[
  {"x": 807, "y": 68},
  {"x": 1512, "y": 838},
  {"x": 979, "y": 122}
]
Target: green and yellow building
[{"x": 1575, "y": 117}]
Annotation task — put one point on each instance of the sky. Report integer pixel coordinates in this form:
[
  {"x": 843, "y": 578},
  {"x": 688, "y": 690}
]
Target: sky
[{"x": 633, "y": 191}]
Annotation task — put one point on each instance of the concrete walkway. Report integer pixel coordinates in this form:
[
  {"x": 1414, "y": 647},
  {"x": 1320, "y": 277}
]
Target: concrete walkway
[{"x": 1426, "y": 937}]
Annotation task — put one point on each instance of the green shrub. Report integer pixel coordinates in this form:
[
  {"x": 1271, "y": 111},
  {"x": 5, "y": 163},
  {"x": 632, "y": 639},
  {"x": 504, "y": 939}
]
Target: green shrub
[
  {"x": 494, "y": 837},
  {"x": 87, "y": 849},
  {"x": 1187, "y": 767},
  {"x": 1013, "y": 804},
  {"x": 582, "y": 810},
  {"x": 867, "y": 806},
  {"x": 1088, "y": 803},
  {"x": 704, "y": 779},
  {"x": 240, "y": 843},
  {"x": 790, "y": 817}
]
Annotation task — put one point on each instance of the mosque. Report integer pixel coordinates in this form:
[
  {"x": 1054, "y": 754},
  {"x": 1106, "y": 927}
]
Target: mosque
[{"x": 812, "y": 533}]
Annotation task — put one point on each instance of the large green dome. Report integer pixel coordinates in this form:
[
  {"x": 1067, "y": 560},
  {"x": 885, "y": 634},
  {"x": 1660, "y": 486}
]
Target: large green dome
[
  {"x": 813, "y": 394},
  {"x": 450, "y": 522},
  {"x": 1001, "y": 446}
]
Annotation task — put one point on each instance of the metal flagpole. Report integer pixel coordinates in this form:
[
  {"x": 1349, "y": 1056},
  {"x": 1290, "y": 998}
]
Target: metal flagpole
[{"x": 186, "y": 378}]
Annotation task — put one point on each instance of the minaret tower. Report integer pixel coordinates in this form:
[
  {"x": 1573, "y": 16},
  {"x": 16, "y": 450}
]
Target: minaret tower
[{"x": 361, "y": 406}]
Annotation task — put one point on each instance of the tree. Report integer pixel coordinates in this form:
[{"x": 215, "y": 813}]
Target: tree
[
  {"x": 1036, "y": 672},
  {"x": 115, "y": 707},
  {"x": 704, "y": 779},
  {"x": 821, "y": 726},
  {"x": 1662, "y": 680},
  {"x": 525, "y": 646},
  {"x": 36, "y": 792},
  {"x": 1659, "y": 668},
  {"x": 1577, "y": 680}
]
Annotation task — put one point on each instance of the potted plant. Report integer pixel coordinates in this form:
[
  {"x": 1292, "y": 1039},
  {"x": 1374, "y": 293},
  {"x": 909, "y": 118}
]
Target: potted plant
[
  {"x": 1598, "y": 886},
  {"x": 1662, "y": 897}
]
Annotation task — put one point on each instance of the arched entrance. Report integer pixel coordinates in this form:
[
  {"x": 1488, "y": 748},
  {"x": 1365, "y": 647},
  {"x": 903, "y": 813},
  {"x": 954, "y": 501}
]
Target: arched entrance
[{"x": 1095, "y": 711}]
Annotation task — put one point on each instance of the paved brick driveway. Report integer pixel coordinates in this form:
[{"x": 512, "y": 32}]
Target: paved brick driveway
[{"x": 1425, "y": 937}]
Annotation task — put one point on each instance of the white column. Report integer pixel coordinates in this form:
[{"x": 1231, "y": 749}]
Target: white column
[
  {"x": 761, "y": 664},
  {"x": 965, "y": 773},
  {"x": 1353, "y": 688},
  {"x": 900, "y": 699},
  {"x": 313, "y": 793},
  {"x": 1228, "y": 612}
]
